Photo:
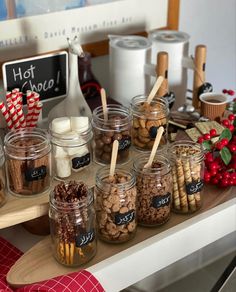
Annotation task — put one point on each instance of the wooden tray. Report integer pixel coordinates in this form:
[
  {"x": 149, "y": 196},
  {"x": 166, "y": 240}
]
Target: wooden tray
[{"x": 31, "y": 266}]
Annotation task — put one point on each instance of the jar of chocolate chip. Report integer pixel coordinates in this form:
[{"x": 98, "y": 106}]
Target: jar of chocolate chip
[
  {"x": 154, "y": 190},
  {"x": 116, "y": 201},
  {"x": 72, "y": 223},
  {"x": 187, "y": 161},
  {"x": 28, "y": 161},
  {"x": 71, "y": 139},
  {"x": 146, "y": 119},
  {"x": 117, "y": 126},
  {"x": 2, "y": 177}
]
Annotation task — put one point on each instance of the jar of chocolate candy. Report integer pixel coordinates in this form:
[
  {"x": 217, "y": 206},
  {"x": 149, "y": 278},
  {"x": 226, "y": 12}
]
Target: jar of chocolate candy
[
  {"x": 2, "y": 177},
  {"x": 28, "y": 161},
  {"x": 187, "y": 161},
  {"x": 116, "y": 201},
  {"x": 146, "y": 119},
  {"x": 154, "y": 190},
  {"x": 72, "y": 223},
  {"x": 71, "y": 139},
  {"x": 117, "y": 126}
]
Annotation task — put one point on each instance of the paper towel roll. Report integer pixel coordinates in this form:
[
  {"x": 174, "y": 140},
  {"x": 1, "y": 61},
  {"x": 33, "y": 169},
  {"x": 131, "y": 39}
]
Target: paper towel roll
[
  {"x": 127, "y": 58},
  {"x": 176, "y": 44}
]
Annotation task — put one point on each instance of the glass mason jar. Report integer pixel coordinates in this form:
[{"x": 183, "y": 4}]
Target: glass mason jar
[
  {"x": 146, "y": 119},
  {"x": 116, "y": 127},
  {"x": 28, "y": 161},
  {"x": 72, "y": 223},
  {"x": 154, "y": 190},
  {"x": 2, "y": 177},
  {"x": 71, "y": 146},
  {"x": 116, "y": 201},
  {"x": 187, "y": 159}
]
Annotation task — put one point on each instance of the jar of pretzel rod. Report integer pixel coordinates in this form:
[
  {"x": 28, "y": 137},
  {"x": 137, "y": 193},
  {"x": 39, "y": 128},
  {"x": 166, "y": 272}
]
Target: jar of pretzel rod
[
  {"x": 72, "y": 223},
  {"x": 116, "y": 205},
  {"x": 146, "y": 119},
  {"x": 28, "y": 161},
  {"x": 2, "y": 177},
  {"x": 187, "y": 160}
]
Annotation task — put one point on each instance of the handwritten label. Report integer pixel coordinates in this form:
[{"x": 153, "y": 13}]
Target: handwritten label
[
  {"x": 161, "y": 201},
  {"x": 78, "y": 162},
  {"x": 37, "y": 173},
  {"x": 124, "y": 143},
  {"x": 121, "y": 219},
  {"x": 194, "y": 187},
  {"x": 85, "y": 238},
  {"x": 45, "y": 74}
]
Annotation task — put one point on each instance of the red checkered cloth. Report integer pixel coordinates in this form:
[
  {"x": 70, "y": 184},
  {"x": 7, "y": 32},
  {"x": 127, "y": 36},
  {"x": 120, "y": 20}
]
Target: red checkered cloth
[{"x": 82, "y": 281}]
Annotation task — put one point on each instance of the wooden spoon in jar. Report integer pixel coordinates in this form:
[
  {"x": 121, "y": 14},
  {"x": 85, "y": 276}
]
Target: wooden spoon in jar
[
  {"x": 104, "y": 103},
  {"x": 154, "y": 147},
  {"x": 155, "y": 88},
  {"x": 114, "y": 153}
]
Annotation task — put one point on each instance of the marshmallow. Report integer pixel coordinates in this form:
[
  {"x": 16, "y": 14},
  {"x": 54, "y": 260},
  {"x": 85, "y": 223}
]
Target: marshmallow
[
  {"x": 59, "y": 152},
  {"x": 77, "y": 151},
  {"x": 79, "y": 124},
  {"x": 61, "y": 125},
  {"x": 63, "y": 167}
]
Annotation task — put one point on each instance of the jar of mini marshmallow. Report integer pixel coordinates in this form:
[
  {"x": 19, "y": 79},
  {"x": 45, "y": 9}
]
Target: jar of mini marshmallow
[{"x": 71, "y": 139}]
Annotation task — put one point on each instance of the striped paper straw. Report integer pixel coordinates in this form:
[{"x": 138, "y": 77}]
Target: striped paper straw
[
  {"x": 14, "y": 99},
  {"x": 8, "y": 96},
  {"x": 19, "y": 99},
  {"x": 6, "y": 115},
  {"x": 36, "y": 113},
  {"x": 21, "y": 116},
  {"x": 29, "y": 95},
  {"x": 31, "y": 105},
  {"x": 14, "y": 116}
]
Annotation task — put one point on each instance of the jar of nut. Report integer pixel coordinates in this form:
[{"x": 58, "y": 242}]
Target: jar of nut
[
  {"x": 2, "y": 177},
  {"x": 116, "y": 205},
  {"x": 187, "y": 161},
  {"x": 154, "y": 190},
  {"x": 72, "y": 223},
  {"x": 71, "y": 139},
  {"x": 28, "y": 161},
  {"x": 117, "y": 126},
  {"x": 147, "y": 118}
]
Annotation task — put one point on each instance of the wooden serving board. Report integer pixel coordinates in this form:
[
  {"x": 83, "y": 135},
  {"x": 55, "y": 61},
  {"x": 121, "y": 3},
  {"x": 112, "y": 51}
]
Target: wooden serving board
[{"x": 30, "y": 267}]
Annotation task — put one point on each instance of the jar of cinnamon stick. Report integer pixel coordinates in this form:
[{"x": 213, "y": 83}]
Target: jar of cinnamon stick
[{"x": 28, "y": 161}]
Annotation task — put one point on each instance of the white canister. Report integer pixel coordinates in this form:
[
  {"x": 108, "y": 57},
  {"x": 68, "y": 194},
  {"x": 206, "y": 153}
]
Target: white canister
[
  {"x": 176, "y": 44},
  {"x": 128, "y": 56}
]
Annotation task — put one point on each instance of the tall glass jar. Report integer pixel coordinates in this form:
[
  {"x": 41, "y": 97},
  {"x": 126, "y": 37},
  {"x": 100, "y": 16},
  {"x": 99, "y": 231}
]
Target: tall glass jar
[
  {"x": 2, "y": 177},
  {"x": 71, "y": 139},
  {"x": 187, "y": 161},
  {"x": 146, "y": 119},
  {"x": 116, "y": 127},
  {"x": 116, "y": 201},
  {"x": 28, "y": 161},
  {"x": 154, "y": 190},
  {"x": 72, "y": 223}
]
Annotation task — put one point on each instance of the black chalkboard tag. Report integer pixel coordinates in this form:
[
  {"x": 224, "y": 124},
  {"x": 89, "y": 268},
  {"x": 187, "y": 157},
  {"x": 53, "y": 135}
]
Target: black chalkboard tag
[
  {"x": 36, "y": 173},
  {"x": 85, "y": 238},
  {"x": 125, "y": 218},
  {"x": 194, "y": 187},
  {"x": 78, "y": 162},
  {"x": 124, "y": 143},
  {"x": 46, "y": 75},
  {"x": 161, "y": 201}
]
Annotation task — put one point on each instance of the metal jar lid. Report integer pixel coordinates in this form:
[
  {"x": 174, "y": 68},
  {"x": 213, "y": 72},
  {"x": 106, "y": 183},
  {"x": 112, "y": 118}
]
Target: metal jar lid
[
  {"x": 169, "y": 36},
  {"x": 131, "y": 42}
]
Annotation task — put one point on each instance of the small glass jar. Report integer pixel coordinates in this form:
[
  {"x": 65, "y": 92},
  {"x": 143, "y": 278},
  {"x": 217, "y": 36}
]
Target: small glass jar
[
  {"x": 116, "y": 127},
  {"x": 146, "y": 119},
  {"x": 72, "y": 223},
  {"x": 2, "y": 178},
  {"x": 71, "y": 139},
  {"x": 187, "y": 161},
  {"x": 116, "y": 201},
  {"x": 154, "y": 190},
  {"x": 28, "y": 161}
]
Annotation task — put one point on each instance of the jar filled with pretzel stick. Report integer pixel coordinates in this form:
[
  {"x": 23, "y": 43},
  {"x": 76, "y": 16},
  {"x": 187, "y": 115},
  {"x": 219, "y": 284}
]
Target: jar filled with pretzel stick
[
  {"x": 28, "y": 161},
  {"x": 116, "y": 202},
  {"x": 146, "y": 119},
  {"x": 72, "y": 223},
  {"x": 154, "y": 190},
  {"x": 2, "y": 177},
  {"x": 187, "y": 160}
]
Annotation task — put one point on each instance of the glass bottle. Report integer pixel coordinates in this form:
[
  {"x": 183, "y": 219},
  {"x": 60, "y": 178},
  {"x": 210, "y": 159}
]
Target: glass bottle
[
  {"x": 88, "y": 82},
  {"x": 2, "y": 177}
]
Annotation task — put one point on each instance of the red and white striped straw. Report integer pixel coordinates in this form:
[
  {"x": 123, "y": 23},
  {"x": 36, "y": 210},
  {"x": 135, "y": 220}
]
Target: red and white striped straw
[
  {"x": 21, "y": 116},
  {"x": 36, "y": 113},
  {"x": 14, "y": 116},
  {"x": 8, "y": 96},
  {"x": 6, "y": 115},
  {"x": 31, "y": 105},
  {"x": 19, "y": 99},
  {"x": 29, "y": 95},
  {"x": 14, "y": 99}
]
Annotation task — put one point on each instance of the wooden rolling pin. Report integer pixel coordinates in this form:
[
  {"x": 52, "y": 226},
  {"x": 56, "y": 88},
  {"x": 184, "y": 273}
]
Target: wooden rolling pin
[
  {"x": 162, "y": 70},
  {"x": 199, "y": 73}
]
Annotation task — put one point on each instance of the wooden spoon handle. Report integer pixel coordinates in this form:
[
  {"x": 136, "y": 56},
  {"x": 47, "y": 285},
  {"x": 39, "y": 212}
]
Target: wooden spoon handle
[
  {"x": 114, "y": 153},
  {"x": 104, "y": 103},
  {"x": 162, "y": 70},
  {"x": 155, "y": 88}
]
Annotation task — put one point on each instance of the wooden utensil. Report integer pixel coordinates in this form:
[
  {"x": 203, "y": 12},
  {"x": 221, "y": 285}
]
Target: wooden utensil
[
  {"x": 162, "y": 70},
  {"x": 114, "y": 153},
  {"x": 104, "y": 103},
  {"x": 156, "y": 86},
  {"x": 154, "y": 147}
]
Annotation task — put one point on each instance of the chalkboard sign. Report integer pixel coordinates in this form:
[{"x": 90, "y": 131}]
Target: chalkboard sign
[{"x": 46, "y": 74}]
